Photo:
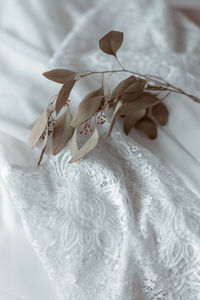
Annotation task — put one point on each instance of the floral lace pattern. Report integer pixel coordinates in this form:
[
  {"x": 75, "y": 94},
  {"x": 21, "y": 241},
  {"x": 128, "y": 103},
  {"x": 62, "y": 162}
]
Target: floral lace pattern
[{"x": 116, "y": 226}]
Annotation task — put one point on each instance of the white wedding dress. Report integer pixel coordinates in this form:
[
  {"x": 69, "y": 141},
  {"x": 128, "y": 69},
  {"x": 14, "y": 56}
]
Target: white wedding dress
[{"x": 119, "y": 225}]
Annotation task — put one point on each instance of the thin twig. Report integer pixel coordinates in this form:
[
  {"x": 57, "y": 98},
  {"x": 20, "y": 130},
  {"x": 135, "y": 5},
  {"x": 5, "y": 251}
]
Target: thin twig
[
  {"x": 163, "y": 84},
  {"x": 116, "y": 57}
]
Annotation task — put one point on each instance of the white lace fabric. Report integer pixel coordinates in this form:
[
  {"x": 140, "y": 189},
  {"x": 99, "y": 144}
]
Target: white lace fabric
[{"x": 119, "y": 225}]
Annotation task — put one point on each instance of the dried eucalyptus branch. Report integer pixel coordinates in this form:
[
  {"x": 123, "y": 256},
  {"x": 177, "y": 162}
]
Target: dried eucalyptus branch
[{"x": 138, "y": 99}]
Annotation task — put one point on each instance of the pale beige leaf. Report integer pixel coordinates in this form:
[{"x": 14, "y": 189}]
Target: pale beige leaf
[
  {"x": 38, "y": 129},
  {"x": 86, "y": 148},
  {"x": 148, "y": 127},
  {"x": 51, "y": 111},
  {"x": 115, "y": 113},
  {"x": 111, "y": 42},
  {"x": 60, "y": 75},
  {"x": 73, "y": 148},
  {"x": 62, "y": 132},
  {"x": 131, "y": 119},
  {"x": 106, "y": 90},
  {"x": 43, "y": 147},
  {"x": 33, "y": 123},
  {"x": 64, "y": 95},
  {"x": 88, "y": 107},
  {"x": 161, "y": 113}
]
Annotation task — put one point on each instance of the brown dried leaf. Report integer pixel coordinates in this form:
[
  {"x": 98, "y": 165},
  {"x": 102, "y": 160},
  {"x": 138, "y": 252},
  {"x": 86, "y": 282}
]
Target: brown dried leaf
[
  {"x": 133, "y": 91},
  {"x": 154, "y": 88},
  {"x": 136, "y": 86},
  {"x": 115, "y": 113},
  {"x": 60, "y": 75},
  {"x": 148, "y": 127},
  {"x": 144, "y": 101},
  {"x": 131, "y": 119},
  {"x": 122, "y": 86},
  {"x": 88, "y": 107},
  {"x": 160, "y": 113},
  {"x": 43, "y": 147},
  {"x": 64, "y": 95},
  {"x": 111, "y": 42},
  {"x": 38, "y": 129},
  {"x": 76, "y": 153},
  {"x": 62, "y": 132}
]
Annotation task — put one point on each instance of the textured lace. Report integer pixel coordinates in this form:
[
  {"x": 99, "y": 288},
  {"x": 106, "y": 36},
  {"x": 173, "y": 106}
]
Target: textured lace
[{"x": 116, "y": 226}]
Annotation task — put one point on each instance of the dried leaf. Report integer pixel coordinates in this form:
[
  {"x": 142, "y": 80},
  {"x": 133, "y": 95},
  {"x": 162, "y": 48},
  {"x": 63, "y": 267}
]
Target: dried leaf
[
  {"x": 144, "y": 101},
  {"x": 38, "y": 129},
  {"x": 88, "y": 107},
  {"x": 33, "y": 123},
  {"x": 111, "y": 42},
  {"x": 148, "y": 127},
  {"x": 161, "y": 113},
  {"x": 131, "y": 119},
  {"x": 106, "y": 90},
  {"x": 133, "y": 91},
  {"x": 136, "y": 86},
  {"x": 115, "y": 113},
  {"x": 60, "y": 75},
  {"x": 85, "y": 149},
  {"x": 62, "y": 132},
  {"x": 73, "y": 148},
  {"x": 64, "y": 95},
  {"x": 154, "y": 88},
  {"x": 122, "y": 86},
  {"x": 43, "y": 147}
]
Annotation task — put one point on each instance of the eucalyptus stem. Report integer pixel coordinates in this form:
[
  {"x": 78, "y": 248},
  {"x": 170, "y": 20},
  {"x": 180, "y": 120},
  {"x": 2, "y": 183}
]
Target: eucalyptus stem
[
  {"x": 132, "y": 98},
  {"x": 116, "y": 57},
  {"x": 150, "y": 78}
]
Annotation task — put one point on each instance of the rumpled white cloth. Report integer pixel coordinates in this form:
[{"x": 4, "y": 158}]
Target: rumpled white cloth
[
  {"x": 119, "y": 225},
  {"x": 30, "y": 32}
]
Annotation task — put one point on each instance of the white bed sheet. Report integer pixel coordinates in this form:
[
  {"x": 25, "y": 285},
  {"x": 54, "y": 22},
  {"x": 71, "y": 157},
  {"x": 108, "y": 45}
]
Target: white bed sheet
[{"x": 30, "y": 32}]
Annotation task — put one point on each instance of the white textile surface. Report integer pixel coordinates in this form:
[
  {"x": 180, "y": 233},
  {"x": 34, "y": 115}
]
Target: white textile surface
[
  {"x": 30, "y": 32},
  {"x": 126, "y": 228}
]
